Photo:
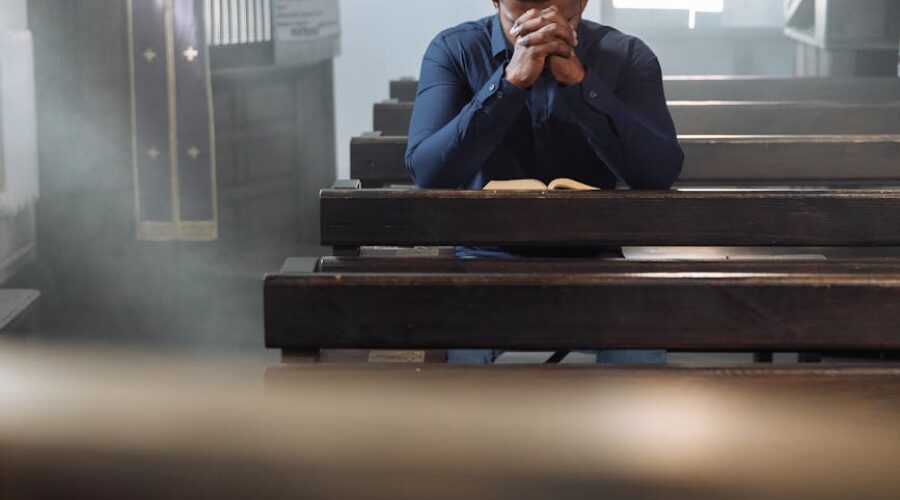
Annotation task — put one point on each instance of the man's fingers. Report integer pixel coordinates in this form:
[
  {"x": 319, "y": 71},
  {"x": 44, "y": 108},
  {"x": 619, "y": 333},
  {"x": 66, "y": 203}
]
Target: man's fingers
[
  {"x": 547, "y": 34},
  {"x": 529, "y": 15},
  {"x": 528, "y": 26},
  {"x": 555, "y": 47},
  {"x": 547, "y": 18}
]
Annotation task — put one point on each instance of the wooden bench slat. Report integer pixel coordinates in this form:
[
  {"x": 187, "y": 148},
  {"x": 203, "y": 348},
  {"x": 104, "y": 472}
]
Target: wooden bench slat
[
  {"x": 818, "y": 160},
  {"x": 793, "y": 118},
  {"x": 700, "y": 309},
  {"x": 610, "y": 218},
  {"x": 746, "y": 88},
  {"x": 377, "y": 265},
  {"x": 730, "y": 117},
  {"x": 750, "y": 88}
]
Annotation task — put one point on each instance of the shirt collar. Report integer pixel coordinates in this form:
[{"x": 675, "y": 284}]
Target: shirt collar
[{"x": 498, "y": 39}]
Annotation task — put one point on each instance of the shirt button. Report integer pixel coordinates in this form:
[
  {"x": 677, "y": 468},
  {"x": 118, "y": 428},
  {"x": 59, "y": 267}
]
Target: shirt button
[
  {"x": 499, "y": 95},
  {"x": 492, "y": 87},
  {"x": 592, "y": 94}
]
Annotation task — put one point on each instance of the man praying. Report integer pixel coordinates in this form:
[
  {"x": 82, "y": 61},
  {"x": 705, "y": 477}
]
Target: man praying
[{"x": 536, "y": 91}]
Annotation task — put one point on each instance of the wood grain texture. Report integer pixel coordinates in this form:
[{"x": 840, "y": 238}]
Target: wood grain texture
[
  {"x": 450, "y": 265},
  {"x": 610, "y": 218},
  {"x": 731, "y": 117},
  {"x": 747, "y": 88},
  {"x": 693, "y": 307},
  {"x": 794, "y": 117},
  {"x": 817, "y": 160}
]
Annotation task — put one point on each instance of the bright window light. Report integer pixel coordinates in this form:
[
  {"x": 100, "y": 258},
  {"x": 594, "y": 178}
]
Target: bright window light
[{"x": 692, "y": 6}]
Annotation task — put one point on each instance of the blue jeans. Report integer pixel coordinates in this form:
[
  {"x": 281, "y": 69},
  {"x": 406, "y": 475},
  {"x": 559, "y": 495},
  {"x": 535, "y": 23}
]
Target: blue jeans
[{"x": 625, "y": 357}]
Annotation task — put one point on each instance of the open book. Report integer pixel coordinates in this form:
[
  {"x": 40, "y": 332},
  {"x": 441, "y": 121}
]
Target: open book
[{"x": 536, "y": 185}]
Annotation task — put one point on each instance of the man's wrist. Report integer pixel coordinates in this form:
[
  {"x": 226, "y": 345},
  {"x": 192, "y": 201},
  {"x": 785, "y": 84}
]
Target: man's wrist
[
  {"x": 517, "y": 82},
  {"x": 575, "y": 78}
]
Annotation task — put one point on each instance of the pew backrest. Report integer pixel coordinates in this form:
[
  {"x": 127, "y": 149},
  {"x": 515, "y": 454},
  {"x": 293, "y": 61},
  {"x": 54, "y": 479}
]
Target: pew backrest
[
  {"x": 833, "y": 160},
  {"x": 746, "y": 88}
]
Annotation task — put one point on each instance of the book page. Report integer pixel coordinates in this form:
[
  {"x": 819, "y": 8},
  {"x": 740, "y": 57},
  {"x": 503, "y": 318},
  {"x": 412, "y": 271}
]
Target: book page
[
  {"x": 564, "y": 183},
  {"x": 516, "y": 185}
]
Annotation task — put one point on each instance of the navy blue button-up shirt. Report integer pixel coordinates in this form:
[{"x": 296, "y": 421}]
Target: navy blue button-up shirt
[{"x": 471, "y": 126}]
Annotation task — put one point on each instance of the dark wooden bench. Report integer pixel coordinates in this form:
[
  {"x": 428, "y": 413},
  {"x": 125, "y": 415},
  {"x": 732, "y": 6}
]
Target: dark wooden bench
[
  {"x": 836, "y": 160},
  {"x": 845, "y": 304},
  {"x": 730, "y": 117},
  {"x": 18, "y": 312},
  {"x": 392, "y": 117},
  {"x": 746, "y": 88},
  {"x": 752, "y": 88}
]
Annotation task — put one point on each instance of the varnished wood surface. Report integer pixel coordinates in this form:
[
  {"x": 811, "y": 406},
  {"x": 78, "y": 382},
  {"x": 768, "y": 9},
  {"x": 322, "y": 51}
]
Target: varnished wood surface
[
  {"x": 589, "y": 305},
  {"x": 817, "y": 160},
  {"x": 114, "y": 425},
  {"x": 747, "y": 88},
  {"x": 810, "y": 160},
  {"x": 447, "y": 265},
  {"x": 379, "y": 161},
  {"x": 795, "y": 118},
  {"x": 610, "y": 218},
  {"x": 730, "y": 117}
]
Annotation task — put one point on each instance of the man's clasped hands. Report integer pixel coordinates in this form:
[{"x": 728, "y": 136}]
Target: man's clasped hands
[{"x": 544, "y": 38}]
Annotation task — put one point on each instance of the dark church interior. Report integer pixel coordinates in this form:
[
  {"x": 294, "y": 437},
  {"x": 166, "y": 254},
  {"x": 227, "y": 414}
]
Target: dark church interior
[{"x": 341, "y": 249}]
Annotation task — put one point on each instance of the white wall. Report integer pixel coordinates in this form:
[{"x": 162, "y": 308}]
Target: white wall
[
  {"x": 13, "y": 14},
  {"x": 384, "y": 40}
]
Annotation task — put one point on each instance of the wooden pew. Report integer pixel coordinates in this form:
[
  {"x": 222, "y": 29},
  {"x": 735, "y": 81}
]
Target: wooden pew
[
  {"x": 835, "y": 160},
  {"x": 599, "y": 304},
  {"x": 731, "y": 117},
  {"x": 751, "y": 88},
  {"x": 114, "y": 425},
  {"x": 392, "y": 117},
  {"x": 404, "y": 89},
  {"x": 746, "y": 88},
  {"x": 610, "y": 218}
]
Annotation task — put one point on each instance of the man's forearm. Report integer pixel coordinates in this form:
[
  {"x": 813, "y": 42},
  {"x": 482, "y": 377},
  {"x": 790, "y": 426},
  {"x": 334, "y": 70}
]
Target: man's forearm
[
  {"x": 638, "y": 146},
  {"x": 452, "y": 155}
]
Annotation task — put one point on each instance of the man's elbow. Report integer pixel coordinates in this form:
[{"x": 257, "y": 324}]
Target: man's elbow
[
  {"x": 665, "y": 173},
  {"x": 424, "y": 176}
]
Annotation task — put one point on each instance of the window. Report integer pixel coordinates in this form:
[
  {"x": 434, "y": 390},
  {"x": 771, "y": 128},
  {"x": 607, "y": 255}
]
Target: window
[{"x": 692, "y": 6}]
